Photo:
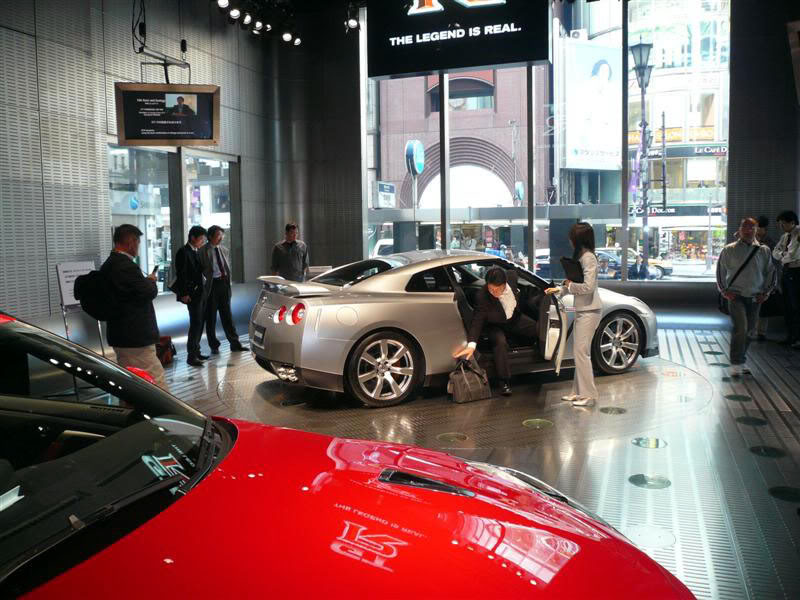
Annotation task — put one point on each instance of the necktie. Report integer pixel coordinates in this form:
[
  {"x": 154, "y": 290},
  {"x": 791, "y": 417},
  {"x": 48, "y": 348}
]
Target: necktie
[{"x": 221, "y": 262}]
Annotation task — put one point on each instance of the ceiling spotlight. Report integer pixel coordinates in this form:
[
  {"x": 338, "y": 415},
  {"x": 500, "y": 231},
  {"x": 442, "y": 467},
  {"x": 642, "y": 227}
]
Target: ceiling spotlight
[
  {"x": 235, "y": 13},
  {"x": 267, "y": 27},
  {"x": 223, "y": 3},
  {"x": 247, "y": 19},
  {"x": 258, "y": 26},
  {"x": 297, "y": 41},
  {"x": 287, "y": 36},
  {"x": 351, "y": 18}
]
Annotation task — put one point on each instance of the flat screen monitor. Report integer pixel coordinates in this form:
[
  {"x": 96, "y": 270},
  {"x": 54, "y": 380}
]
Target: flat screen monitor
[{"x": 158, "y": 114}]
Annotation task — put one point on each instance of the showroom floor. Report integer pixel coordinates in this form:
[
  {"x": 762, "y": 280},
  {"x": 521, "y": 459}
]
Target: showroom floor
[{"x": 699, "y": 470}]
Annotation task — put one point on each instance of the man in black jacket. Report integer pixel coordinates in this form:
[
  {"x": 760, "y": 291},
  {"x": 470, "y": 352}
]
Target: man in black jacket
[
  {"x": 189, "y": 287},
  {"x": 498, "y": 311},
  {"x": 133, "y": 334}
]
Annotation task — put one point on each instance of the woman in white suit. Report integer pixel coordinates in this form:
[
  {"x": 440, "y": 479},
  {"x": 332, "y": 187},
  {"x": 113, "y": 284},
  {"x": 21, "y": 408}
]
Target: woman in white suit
[{"x": 588, "y": 310}]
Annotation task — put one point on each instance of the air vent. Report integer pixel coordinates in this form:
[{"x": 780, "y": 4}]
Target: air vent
[{"x": 402, "y": 478}]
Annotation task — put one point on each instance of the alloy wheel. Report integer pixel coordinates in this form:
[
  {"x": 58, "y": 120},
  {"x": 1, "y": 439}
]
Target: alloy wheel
[
  {"x": 619, "y": 343},
  {"x": 385, "y": 370}
]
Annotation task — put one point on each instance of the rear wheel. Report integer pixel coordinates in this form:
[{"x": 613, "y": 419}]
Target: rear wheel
[
  {"x": 384, "y": 369},
  {"x": 660, "y": 273},
  {"x": 617, "y": 343}
]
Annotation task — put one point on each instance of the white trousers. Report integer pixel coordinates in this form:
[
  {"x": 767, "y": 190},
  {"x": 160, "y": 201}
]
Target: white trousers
[
  {"x": 143, "y": 358},
  {"x": 586, "y": 322}
]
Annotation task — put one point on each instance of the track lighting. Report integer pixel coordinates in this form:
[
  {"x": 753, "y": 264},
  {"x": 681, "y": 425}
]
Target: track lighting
[
  {"x": 297, "y": 41},
  {"x": 223, "y": 3},
  {"x": 287, "y": 36},
  {"x": 351, "y": 18},
  {"x": 247, "y": 19},
  {"x": 258, "y": 26},
  {"x": 233, "y": 15}
]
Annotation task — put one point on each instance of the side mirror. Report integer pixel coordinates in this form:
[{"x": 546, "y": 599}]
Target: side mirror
[{"x": 142, "y": 373}]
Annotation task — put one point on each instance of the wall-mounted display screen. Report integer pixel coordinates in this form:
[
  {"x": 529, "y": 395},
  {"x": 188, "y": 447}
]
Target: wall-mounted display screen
[
  {"x": 157, "y": 114},
  {"x": 415, "y": 37}
]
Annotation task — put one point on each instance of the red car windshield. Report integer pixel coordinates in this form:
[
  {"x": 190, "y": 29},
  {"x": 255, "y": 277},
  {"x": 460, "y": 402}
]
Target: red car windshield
[{"x": 79, "y": 438}]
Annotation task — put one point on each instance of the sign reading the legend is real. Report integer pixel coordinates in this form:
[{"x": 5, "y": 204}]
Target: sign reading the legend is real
[{"x": 416, "y": 37}]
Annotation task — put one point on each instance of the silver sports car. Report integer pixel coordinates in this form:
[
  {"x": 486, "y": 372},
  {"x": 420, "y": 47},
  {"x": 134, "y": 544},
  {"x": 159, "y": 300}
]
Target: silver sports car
[{"x": 379, "y": 328}]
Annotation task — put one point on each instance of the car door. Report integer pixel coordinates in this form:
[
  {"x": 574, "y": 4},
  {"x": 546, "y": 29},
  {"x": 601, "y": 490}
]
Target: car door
[{"x": 552, "y": 320}]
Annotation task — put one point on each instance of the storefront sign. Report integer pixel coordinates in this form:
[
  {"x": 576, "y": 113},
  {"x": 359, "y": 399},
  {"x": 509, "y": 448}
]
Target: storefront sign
[
  {"x": 386, "y": 195},
  {"x": 697, "y": 151},
  {"x": 416, "y": 37},
  {"x": 680, "y": 211},
  {"x": 157, "y": 114}
]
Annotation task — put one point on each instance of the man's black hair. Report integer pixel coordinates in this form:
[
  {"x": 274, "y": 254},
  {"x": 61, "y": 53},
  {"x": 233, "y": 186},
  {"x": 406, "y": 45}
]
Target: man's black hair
[
  {"x": 290, "y": 226},
  {"x": 496, "y": 276},
  {"x": 788, "y": 216},
  {"x": 763, "y": 221},
  {"x": 196, "y": 231},
  {"x": 125, "y": 232},
  {"x": 212, "y": 231}
]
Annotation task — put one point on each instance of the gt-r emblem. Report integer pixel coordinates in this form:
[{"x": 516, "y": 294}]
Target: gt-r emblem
[
  {"x": 373, "y": 549},
  {"x": 424, "y": 7}
]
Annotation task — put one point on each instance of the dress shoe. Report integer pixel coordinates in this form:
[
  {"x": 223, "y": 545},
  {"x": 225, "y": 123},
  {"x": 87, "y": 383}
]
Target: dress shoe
[
  {"x": 239, "y": 348},
  {"x": 215, "y": 351},
  {"x": 203, "y": 356},
  {"x": 506, "y": 389},
  {"x": 569, "y": 398},
  {"x": 195, "y": 362},
  {"x": 582, "y": 401}
]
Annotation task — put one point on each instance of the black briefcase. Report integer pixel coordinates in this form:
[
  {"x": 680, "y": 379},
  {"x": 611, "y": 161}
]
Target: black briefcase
[{"x": 469, "y": 382}]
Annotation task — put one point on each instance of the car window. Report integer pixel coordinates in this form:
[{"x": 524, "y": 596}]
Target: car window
[
  {"x": 79, "y": 434},
  {"x": 385, "y": 250},
  {"x": 433, "y": 280},
  {"x": 359, "y": 271}
]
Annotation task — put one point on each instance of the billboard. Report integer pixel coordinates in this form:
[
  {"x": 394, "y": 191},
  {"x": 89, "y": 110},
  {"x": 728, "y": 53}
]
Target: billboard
[
  {"x": 593, "y": 105},
  {"x": 157, "y": 114},
  {"x": 415, "y": 37}
]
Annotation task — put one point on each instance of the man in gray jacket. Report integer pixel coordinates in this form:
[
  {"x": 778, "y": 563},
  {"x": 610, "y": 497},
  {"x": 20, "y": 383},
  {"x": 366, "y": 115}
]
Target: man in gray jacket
[{"x": 746, "y": 291}]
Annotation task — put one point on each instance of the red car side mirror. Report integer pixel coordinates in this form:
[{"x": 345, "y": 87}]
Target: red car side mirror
[{"x": 142, "y": 373}]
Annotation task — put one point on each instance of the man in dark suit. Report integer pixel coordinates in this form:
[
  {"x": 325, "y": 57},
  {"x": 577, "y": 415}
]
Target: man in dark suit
[
  {"x": 218, "y": 291},
  {"x": 189, "y": 287},
  {"x": 134, "y": 333},
  {"x": 498, "y": 312}
]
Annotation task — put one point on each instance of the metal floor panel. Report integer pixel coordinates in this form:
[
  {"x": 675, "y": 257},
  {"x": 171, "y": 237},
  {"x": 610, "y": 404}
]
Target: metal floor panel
[{"x": 705, "y": 511}]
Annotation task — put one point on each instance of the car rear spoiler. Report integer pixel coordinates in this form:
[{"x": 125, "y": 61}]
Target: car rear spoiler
[{"x": 293, "y": 289}]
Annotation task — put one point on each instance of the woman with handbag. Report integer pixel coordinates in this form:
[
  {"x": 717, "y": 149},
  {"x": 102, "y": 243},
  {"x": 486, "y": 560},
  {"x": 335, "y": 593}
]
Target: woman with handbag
[{"x": 588, "y": 311}]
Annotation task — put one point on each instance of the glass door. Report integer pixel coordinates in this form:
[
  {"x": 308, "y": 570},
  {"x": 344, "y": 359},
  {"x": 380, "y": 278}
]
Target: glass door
[{"x": 207, "y": 193}]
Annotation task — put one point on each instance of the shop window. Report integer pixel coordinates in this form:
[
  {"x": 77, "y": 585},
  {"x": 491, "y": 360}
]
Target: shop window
[
  {"x": 207, "y": 195},
  {"x": 465, "y": 94},
  {"x": 139, "y": 195}
]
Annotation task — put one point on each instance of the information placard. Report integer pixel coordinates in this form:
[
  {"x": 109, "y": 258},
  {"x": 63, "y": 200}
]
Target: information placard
[
  {"x": 67, "y": 274},
  {"x": 416, "y": 37},
  {"x": 167, "y": 115}
]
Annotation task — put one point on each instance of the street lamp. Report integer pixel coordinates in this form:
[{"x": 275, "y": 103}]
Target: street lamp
[{"x": 641, "y": 56}]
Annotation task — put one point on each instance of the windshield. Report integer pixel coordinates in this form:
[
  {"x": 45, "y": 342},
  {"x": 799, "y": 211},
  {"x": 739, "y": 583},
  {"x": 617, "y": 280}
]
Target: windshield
[
  {"x": 359, "y": 271},
  {"x": 78, "y": 435}
]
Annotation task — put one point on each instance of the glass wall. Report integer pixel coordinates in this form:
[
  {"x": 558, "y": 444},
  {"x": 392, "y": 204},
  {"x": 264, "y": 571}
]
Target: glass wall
[
  {"x": 674, "y": 223},
  {"x": 207, "y": 193},
  {"x": 139, "y": 195}
]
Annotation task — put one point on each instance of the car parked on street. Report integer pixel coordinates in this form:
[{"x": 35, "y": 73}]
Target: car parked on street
[{"x": 112, "y": 488}]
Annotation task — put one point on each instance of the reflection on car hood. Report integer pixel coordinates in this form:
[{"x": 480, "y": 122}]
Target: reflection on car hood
[{"x": 289, "y": 513}]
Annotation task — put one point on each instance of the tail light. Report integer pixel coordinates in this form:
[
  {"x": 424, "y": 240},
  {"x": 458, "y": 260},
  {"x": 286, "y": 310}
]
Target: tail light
[
  {"x": 298, "y": 313},
  {"x": 6, "y": 319},
  {"x": 141, "y": 373},
  {"x": 280, "y": 314}
]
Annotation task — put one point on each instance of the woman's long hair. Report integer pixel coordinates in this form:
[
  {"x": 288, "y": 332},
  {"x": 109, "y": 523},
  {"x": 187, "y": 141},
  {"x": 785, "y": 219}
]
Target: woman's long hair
[{"x": 582, "y": 237}]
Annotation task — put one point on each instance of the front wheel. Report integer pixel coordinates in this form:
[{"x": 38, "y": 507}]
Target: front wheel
[
  {"x": 384, "y": 369},
  {"x": 660, "y": 273},
  {"x": 617, "y": 343}
]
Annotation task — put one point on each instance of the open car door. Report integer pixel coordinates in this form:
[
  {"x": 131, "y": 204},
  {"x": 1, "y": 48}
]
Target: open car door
[{"x": 552, "y": 330}]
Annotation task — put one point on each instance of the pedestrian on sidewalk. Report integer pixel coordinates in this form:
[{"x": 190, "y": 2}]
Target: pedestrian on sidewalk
[{"x": 787, "y": 251}]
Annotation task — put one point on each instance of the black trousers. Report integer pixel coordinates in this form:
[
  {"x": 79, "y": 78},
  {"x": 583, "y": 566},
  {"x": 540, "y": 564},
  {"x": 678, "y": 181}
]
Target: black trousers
[
  {"x": 790, "y": 282},
  {"x": 524, "y": 329},
  {"x": 197, "y": 315},
  {"x": 219, "y": 300}
]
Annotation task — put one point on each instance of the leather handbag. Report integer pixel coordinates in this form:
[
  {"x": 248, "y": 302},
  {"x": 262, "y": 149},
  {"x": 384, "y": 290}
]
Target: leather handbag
[
  {"x": 722, "y": 302},
  {"x": 469, "y": 382}
]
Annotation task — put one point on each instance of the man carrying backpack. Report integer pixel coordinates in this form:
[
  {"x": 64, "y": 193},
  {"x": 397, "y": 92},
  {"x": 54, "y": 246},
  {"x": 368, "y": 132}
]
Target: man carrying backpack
[{"x": 132, "y": 330}]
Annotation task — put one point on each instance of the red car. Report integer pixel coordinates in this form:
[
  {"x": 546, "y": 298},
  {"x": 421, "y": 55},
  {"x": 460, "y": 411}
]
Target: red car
[{"x": 113, "y": 488}]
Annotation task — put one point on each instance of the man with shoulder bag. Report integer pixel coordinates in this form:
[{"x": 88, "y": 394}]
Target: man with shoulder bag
[{"x": 745, "y": 278}]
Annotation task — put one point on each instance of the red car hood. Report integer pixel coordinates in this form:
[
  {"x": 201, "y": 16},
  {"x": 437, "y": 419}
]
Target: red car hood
[{"x": 289, "y": 513}]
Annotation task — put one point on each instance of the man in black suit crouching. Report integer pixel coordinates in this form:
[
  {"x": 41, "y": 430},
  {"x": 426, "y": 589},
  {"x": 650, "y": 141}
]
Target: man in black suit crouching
[
  {"x": 498, "y": 310},
  {"x": 190, "y": 289}
]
